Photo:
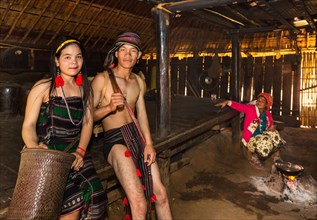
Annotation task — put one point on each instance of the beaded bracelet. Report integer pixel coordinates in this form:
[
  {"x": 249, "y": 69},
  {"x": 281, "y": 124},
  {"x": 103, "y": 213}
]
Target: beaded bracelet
[{"x": 82, "y": 151}]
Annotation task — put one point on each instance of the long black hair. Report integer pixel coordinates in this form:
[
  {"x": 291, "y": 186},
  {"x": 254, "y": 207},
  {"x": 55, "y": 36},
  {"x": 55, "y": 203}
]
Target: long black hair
[{"x": 59, "y": 45}]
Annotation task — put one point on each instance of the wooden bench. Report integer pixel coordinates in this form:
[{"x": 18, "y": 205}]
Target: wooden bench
[{"x": 175, "y": 143}]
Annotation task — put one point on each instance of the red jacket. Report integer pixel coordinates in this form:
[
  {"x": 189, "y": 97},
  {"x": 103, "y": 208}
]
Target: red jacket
[{"x": 251, "y": 120}]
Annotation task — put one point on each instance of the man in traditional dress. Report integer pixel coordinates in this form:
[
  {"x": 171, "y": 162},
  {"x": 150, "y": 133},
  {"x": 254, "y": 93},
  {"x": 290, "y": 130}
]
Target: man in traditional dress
[{"x": 128, "y": 146}]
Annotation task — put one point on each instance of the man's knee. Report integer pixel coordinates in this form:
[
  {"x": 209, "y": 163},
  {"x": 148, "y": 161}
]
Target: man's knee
[
  {"x": 161, "y": 195},
  {"x": 139, "y": 205}
]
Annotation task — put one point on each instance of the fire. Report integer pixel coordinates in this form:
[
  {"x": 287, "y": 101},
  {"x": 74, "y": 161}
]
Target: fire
[{"x": 291, "y": 178}]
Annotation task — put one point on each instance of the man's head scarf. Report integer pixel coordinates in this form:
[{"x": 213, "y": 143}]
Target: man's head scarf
[
  {"x": 268, "y": 98},
  {"x": 128, "y": 37}
]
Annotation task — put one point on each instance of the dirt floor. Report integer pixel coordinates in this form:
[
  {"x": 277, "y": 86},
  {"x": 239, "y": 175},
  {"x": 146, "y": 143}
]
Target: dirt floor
[
  {"x": 220, "y": 184},
  {"x": 217, "y": 184}
]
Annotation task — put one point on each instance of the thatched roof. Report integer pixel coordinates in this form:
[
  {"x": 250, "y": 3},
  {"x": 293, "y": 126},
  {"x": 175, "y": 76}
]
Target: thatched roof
[{"x": 264, "y": 25}]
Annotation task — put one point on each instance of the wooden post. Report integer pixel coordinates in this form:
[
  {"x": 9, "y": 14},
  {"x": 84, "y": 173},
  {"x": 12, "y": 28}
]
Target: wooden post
[
  {"x": 163, "y": 75},
  {"x": 236, "y": 128}
]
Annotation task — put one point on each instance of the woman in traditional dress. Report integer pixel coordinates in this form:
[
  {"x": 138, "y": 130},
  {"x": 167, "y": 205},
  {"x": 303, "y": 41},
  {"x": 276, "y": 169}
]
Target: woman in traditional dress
[
  {"x": 59, "y": 112},
  {"x": 259, "y": 135}
]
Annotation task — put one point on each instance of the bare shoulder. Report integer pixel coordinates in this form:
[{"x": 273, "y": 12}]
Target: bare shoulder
[
  {"x": 141, "y": 82},
  {"x": 40, "y": 89},
  {"x": 42, "y": 85},
  {"x": 138, "y": 78},
  {"x": 100, "y": 78}
]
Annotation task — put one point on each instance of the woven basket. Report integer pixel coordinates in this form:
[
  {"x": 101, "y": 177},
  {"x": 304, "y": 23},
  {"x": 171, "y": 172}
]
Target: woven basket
[{"x": 40, "y": 185}]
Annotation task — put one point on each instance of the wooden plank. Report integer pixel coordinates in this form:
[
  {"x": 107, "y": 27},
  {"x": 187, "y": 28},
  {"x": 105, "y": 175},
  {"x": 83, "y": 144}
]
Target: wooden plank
[
  {"x": 296, "y": 66},
  {"x": 247, "y": 65},
  {"x": 152, "y": 73},
  {"x": 277, "y": 78},
  {"x": 174, "y": 74},
  {"x": 287, "y": 84},
  {"x": 198, "y": 70},
  {"x": 226, "y": 68},
  {"x": 207, "y": 65},
  {"x": 268, "y": 76},
  {"x": 258, "y": 75},
  {"x": 182, "y": 77},
  {"x": 190, "y": 133},
  {"x": 190, "y": 76}
]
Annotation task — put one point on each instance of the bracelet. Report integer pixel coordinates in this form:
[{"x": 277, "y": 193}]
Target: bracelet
[{"x": 82, "y": 151}]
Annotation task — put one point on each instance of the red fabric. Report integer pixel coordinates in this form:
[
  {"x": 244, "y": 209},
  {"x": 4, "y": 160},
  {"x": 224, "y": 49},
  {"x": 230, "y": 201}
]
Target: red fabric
[
  {"x": 127, "y": 217},
  {"x": 59, "y": 81},
  {"x": 79, "y": 79},
  {"x": 153, "y": 199},
  {"x": 127, "y": 154},
  {"x": 251, "y": 115},
  {"x": 268, "y": 98},
  {"x": 125, "y": 201},
  {"x": 138, "y": 172}
]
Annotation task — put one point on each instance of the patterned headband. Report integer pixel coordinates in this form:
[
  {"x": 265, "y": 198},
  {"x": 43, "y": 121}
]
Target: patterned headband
[{"x": 130, "y": 38}]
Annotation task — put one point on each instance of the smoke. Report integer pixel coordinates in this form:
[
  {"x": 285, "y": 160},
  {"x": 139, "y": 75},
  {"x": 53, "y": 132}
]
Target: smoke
[{"x": 303, "y": 192}]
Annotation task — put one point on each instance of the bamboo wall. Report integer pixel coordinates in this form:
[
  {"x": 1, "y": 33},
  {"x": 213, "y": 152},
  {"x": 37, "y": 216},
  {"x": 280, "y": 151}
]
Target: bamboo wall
[
  {"x": 308, "y": 88},
  {"x": 290, "y": 79},
  {"x": 293, "y": 88}
]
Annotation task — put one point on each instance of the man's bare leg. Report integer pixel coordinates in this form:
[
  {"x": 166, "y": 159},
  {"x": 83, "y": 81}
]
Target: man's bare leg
[
  {"x": 126, "y": 173},
  {"x": 163, "y": 210}
]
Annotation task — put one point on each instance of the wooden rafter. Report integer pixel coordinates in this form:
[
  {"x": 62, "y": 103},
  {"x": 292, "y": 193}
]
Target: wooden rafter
[
  {"x": 35, "y": 22},
  {"x": 65, "y": 22},
  {"x": 16, "y": 20},
  {"x": 49, "y": 22},
  {"x": 301, "y": 5}
]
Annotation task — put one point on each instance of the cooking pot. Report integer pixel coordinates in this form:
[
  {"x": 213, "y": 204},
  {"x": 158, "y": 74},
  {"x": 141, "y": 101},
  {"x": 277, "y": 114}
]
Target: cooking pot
[
  {"x": 289, "y": 169},
  {"x": 9, "y": 98}
]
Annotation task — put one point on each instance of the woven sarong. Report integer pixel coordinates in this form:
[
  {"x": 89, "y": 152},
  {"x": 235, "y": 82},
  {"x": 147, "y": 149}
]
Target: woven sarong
[
  {"x": 54, "y": 128},
  {"x": 130, "y": 135}
]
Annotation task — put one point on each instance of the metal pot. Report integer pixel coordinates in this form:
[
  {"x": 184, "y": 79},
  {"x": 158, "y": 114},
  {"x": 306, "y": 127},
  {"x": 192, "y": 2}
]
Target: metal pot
[
  {"x": 289, "y": 169},
  {"x": 9, "y": 98}
]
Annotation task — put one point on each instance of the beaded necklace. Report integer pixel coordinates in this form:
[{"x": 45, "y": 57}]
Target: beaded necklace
[{"x": 67, "y": 107}]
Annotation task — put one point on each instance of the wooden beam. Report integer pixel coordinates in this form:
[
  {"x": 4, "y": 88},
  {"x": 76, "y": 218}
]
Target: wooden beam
[
  {"x": 197, "y": 4},
  {"x": 16, "y": 20},
  {"x": 35, "y": 22},
  {"x": 49, "y": 22},
  {"x": 65, "y": 22},
  {"x": 301, "y": 5},
  {"x": 192, "y": 132},
  {"x": 268, "y": 8}
]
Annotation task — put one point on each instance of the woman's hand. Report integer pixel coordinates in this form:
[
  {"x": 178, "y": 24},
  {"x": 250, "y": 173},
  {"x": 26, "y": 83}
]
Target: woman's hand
[
  {"x": 78, "y": 162},
  {"x": 272, "y": 128},
  {"x": 149, "y": 154},
  {"x": 222, "y": 104},
  {"x": 39, "y": 146}
]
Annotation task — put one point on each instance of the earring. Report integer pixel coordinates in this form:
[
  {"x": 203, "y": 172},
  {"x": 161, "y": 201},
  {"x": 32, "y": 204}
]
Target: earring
[
  {"x": 58, "y": 79},
  {"x": 79, "y": 79}
]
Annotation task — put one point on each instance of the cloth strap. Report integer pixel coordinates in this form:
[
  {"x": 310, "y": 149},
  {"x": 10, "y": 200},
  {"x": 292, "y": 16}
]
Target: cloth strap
[
  {"x": 146, "y": 170},
  {"x": 116, "y": 89}
]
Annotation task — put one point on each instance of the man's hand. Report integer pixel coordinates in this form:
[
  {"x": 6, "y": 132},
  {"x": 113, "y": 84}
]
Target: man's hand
[
  {"x": 117, "y": 99},
  {"x": 149, "y": 154}
]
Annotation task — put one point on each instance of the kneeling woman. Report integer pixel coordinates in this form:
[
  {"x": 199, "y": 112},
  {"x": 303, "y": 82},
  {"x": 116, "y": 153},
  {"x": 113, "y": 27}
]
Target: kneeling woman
[{"x": 259, "y": 135}]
